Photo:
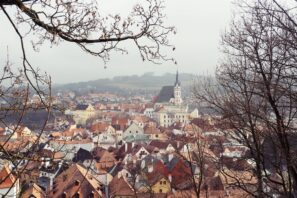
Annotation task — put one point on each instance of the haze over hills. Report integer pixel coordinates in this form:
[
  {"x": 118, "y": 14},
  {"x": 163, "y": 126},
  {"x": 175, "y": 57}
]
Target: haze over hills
[{"x": 147, "y": 81}]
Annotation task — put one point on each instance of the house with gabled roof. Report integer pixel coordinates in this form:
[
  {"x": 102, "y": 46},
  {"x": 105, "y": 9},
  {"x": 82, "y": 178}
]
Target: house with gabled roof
[
  {"x": 120, "y": 187},
  {"x": 159, "y": 183},
  {"x": 119, "y": 123},
  {"x": 133, "y": 129},
  {"x": 33, "y": 191},
  {"x": 107, "y": 160},
  {"x": 154, "y": 133},
  {"x": 82, "y": 113},
  {"x": 76, "y": 181},
  {"x": 134, "y": 133},
  {"x": 99, "y": 127},
  {"x": 164, "y": 146}
]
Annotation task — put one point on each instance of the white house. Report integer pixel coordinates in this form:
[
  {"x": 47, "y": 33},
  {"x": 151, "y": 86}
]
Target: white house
[
  {"x": 105, "y": 140},
  {"x": 133, "y": 130}
]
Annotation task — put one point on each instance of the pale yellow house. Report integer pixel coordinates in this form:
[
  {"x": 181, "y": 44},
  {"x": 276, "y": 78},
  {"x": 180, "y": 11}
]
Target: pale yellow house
[
  {"x": 161, "y": 185},
  {"x": 17, "y": 132},
  {"x": 82, "y": 113}
]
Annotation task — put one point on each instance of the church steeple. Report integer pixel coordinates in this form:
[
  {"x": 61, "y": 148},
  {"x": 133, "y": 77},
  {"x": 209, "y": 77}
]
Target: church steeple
[
  {"x": 177, "y": 91},
  {"x": 176, "y": 79}
]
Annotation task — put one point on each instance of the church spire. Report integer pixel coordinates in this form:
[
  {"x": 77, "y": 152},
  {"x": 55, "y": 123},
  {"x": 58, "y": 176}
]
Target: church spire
[{"x": 176, "y": 79}]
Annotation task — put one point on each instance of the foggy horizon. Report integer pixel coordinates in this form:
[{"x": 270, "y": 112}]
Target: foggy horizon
[{"x": 199, "y": 25}]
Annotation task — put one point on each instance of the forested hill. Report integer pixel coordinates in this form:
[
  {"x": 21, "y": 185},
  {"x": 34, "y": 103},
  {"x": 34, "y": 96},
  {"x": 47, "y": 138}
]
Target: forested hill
[{"x": 147, "y": 81}]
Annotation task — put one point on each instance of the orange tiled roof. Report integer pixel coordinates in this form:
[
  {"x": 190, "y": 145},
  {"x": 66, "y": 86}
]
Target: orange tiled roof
[{"x": 7, "y": 179}]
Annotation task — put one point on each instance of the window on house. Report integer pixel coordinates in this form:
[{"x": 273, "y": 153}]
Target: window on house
[
  {"x": 136, "y": 131},
  {"x": 77, "y": 182},
  {"x": 160, "y": 190},
  {"x": 160, "y": 182},
  {"x": 164, "y": 182},
  {"x": 157, "y": 135}
]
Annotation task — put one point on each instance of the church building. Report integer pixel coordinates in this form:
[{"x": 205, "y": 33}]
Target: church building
[
  {"x": 170, "y": 94},
  {"x": 169, "y": 107}
]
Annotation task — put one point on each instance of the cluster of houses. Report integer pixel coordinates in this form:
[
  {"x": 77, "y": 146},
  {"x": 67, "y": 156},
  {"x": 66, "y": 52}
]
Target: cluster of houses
[{"x": 158, "y": 150}]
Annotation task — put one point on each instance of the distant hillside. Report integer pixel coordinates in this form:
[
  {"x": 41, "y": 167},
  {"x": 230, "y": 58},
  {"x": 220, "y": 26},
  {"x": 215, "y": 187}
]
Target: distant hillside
[{"x": 147, "y": 81}]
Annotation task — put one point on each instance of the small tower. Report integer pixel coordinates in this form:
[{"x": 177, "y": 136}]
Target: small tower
[{"x": 177, "y": 91}]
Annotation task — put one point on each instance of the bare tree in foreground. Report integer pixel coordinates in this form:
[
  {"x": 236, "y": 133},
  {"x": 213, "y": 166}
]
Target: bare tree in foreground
[
  {"x": 255, "y": 93},
  {"x": 79, "y": 22}
]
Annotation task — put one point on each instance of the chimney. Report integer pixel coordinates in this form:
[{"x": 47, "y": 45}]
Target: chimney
[
  {"x": 47, "y": 162},
  {"x": 150, "y": 168},
  {"x": 170, "y": 178},
  {"x": 42, "y": 161},
  {"x": 170, "y": 157},
  {"x": 126, "y": 147},
  {"x": 60, "y": 164}
]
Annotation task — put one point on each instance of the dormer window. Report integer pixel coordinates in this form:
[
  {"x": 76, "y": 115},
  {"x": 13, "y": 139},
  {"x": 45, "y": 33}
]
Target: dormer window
[{"x": 77, "y": 182}]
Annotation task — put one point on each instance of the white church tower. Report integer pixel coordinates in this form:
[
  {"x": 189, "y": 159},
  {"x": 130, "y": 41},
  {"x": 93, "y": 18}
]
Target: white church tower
[{"x": 177, "y": 91}]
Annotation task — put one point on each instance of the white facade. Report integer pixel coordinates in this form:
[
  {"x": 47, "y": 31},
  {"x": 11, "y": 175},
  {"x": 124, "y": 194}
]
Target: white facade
[
  {"x": 133, "y": 129},
  {"x": 12, "y": 192},
  {"x": 171, "y": 114}
]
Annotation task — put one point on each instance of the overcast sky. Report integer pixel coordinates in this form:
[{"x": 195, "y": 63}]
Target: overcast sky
[{"x": 199, "y": 25}]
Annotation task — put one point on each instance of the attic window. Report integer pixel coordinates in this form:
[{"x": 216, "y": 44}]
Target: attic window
[{"x": 77, "y": 182}]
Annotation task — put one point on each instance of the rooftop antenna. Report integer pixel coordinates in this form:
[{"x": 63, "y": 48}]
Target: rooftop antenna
[
  {"x": 176, "y": 78},
  {"x": 7, "y": 57}
]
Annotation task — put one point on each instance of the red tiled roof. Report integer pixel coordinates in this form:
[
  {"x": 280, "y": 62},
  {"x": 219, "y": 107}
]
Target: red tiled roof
[
  {"x": 7, "y": 179},
  {"x": 120, "y": 187}
]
